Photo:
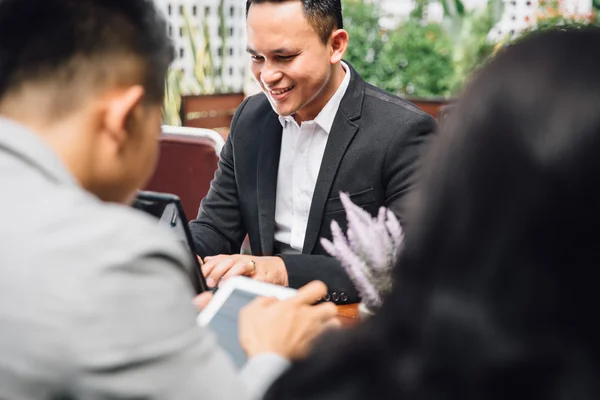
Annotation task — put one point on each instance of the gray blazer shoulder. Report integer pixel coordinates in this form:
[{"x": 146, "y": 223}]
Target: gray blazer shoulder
[
  {"x": 107, "y": 312},
  {"x": 95, "y": 301}
]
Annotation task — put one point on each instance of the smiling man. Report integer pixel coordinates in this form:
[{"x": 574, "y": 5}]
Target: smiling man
[{"x": 316, "y": 130}]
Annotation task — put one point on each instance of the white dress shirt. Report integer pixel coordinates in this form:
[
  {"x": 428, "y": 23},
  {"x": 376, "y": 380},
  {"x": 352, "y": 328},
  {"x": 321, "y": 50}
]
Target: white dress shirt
[{"x": 302, "y": 149}]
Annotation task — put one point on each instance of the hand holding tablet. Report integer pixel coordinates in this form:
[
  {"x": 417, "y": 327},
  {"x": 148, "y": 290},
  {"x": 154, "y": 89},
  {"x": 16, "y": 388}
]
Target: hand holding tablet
[
  {"x": 251, "y": 318},
  {"x": 286, "y": 327}
]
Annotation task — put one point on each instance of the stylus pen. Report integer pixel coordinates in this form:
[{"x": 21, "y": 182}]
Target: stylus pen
[{"x": 174, "y": 218}]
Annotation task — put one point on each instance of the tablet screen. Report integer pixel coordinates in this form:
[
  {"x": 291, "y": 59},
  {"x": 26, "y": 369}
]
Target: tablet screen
[{"x": 225, "y": 324}]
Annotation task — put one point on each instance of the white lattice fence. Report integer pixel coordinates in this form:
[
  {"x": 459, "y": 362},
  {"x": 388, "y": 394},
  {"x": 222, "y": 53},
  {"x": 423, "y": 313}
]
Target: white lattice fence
[
  {"x": 518, "y": 15},
  {"x": 230, "y": 55}
]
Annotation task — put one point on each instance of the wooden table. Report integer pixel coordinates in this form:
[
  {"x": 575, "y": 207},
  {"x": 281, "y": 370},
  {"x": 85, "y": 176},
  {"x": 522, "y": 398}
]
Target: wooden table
[{"x": 348, "y": 314}]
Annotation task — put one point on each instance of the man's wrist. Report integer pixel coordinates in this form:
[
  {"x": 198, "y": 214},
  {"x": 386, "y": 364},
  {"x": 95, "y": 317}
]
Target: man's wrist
[
  {"x": 282, "y": 270},
  {"x": 262, "y": 370}
]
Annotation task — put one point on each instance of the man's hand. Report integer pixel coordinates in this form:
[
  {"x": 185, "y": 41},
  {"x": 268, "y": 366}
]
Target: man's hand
[
  {"x": 202, "y": 300},
  {"x": 288, "y": 327},
  {"x": 265, "y": 269}
]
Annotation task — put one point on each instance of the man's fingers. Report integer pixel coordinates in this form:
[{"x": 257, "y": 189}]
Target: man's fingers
[
  {"x": 334, "y": 323},
  {"x": 263, "y": 301},
  {"x": 209, "y": 264},
  {"x": 218, "y": 271},
  {"x": 202, "y": 300},
  {"x": 240, "y": 268},
  {"x": 326, "y": 311},
  {"x": 310, "y": 293}
]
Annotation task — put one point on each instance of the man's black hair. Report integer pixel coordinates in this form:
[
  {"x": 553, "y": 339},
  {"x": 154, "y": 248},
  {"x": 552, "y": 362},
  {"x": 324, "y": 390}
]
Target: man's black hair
[
  {"x": 324, "y": 16},
  {"x": 65, "y": 42}
]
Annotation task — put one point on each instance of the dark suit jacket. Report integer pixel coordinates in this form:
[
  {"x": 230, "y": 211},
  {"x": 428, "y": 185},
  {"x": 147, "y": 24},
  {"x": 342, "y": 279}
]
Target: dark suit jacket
[{"x": 371, "y": 152}]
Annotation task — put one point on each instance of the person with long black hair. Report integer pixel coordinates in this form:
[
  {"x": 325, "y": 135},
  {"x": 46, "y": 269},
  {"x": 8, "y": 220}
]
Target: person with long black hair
[{"x": 496, "y": 292}]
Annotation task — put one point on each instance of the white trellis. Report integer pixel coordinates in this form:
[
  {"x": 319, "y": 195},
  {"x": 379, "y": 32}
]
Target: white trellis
[
  {"x": 393, "y": 12},
  {"x": 231, "y": 55},
  {"x": 519, "y": 15}
]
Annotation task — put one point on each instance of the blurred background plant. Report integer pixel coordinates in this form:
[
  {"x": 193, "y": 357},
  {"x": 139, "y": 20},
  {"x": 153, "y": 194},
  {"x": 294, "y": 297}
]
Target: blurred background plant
[
  {"x": 422, "y": 57},
  {"x": 471, "y": 48},
  {"x": 416, "y": 60},
  {"x": 550, "y": 17},
  {"x": 172, "y": 102},
  {"x": 426, "y": 59},
  {"x": 361, "y": 20},
  {"x": 419, "y": 58},
  {"x": 208, "y": 76}
]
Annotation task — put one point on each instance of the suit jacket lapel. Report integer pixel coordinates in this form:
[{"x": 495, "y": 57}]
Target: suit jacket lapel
[
  {"x": 342, "y": 132},
  {"x": 268, "y": 166}
]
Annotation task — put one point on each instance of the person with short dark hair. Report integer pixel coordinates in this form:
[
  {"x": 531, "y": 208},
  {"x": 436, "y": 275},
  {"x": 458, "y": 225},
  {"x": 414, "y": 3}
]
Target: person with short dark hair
[
  {"x": 496, "y": 289},
  {"x": 317, "y": 129},
  {"x": 95, "y": 301},
  {"x": 324, "y": 16}
]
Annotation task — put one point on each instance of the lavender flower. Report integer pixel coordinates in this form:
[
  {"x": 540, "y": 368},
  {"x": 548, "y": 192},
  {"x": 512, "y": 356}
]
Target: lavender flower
[
  {"x": 370, "y": 250},
  {"x": 354, "y": 266}
]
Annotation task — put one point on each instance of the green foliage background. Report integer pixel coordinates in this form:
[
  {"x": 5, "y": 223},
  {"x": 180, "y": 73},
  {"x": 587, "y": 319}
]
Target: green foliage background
[
  {"x": 420, "y": 59},
  {"x": 417, "y": 59}
]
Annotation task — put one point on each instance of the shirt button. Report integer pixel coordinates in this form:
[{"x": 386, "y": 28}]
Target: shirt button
[
  {"x": 344, "y": 297},
  {"x": 335, "y": 296},
  {"x": 327, "y": 297}
]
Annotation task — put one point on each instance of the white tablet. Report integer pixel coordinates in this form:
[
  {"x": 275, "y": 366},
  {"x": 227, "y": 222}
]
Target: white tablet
[{"x": 221, "y": 314}]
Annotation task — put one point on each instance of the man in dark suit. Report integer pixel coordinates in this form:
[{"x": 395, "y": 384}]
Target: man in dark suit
[{"x": 316, "y": 130}]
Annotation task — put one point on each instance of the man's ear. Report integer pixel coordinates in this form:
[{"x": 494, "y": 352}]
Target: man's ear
[
  {"x": 120, "y": 109},
  {"x": 339, "y": 44}
]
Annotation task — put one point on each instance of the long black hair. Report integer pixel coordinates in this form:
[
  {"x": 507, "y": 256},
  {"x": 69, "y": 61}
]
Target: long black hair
[{"x": 495, "y": 292}]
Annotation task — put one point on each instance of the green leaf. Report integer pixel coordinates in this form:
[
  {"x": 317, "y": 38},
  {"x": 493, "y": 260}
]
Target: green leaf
[{"x": 460, "y": 8}]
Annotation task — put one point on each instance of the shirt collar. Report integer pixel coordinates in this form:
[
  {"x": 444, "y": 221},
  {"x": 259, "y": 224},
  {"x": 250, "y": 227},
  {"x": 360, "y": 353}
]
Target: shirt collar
[
  {"x": 31, "y": 149},
  {"x": 325, "y": 118}
]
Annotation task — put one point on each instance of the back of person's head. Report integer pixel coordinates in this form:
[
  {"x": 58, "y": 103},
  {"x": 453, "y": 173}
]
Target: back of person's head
[
  {"x": 324, "y": 16},
  {"x": 79, "y": 45},
  {"x": 88, "y": 76},
  {"x": 495, "y": 291}
]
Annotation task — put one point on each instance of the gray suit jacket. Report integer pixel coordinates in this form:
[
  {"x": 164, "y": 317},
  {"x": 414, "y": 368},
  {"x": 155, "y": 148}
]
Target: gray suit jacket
[{"x": 94, "y": 299}]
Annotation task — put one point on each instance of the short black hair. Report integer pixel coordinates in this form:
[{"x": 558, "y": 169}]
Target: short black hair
[
  {"x": 63, "y": 41},
  {"x": 324, "y": 16}
]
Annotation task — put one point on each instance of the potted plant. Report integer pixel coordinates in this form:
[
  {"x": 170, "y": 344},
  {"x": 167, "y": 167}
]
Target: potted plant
[
  {"x": 203, "y": 99},
  {"x": 368, "y": 252}
]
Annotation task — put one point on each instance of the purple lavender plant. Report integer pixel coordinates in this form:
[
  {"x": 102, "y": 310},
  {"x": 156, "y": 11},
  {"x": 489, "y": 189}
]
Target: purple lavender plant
[{"x": 369, "y": 252}]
